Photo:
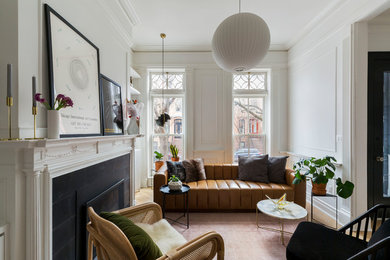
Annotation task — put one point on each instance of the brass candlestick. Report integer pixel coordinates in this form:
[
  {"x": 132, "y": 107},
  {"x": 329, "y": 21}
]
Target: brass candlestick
[
  {"x": 10, "y": 103},
  {"x": 34, "y": 112}
]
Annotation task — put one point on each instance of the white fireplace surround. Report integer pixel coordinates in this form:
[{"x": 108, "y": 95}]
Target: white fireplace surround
[{"x": 27, "y": 169}]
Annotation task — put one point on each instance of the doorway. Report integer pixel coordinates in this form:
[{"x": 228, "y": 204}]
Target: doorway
[{"x": 378, "y": 139}]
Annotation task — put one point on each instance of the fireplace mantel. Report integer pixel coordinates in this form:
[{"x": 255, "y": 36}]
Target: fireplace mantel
[{"x": 27, "y": 168}]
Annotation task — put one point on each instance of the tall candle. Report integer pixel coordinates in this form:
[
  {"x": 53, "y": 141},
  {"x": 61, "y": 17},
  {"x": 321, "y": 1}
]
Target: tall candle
[
  {"x": 9, "y": 80},
  {"x": 34, "y": 91}
]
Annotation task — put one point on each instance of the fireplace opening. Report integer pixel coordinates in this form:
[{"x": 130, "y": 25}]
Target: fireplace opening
[
  {"x": 104, "y": 186},
  {"x": 109, "y": 200}
]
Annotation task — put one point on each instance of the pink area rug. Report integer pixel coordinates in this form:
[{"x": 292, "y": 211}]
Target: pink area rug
[{"x": 243, "y": 240}]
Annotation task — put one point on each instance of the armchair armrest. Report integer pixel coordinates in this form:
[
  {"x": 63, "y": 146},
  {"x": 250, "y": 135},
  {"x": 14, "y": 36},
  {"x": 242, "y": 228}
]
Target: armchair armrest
[
  {"x": 299, "y": 189},
  {"x": 373, "y": 250},
  {"x": 205, "y": 246},
  {"x": 149, "y": 213},
  {"x": 159, "y": 179}
]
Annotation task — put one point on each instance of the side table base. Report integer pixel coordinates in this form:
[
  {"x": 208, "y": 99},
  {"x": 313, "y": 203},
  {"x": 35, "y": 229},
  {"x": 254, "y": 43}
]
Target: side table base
[{"x": 280, "y": 230}]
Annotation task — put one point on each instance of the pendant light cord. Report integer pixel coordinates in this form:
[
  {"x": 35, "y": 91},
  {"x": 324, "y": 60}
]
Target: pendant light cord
[
  {"x": 239, "y": 6},
  {"x": 162, "y": 35}
]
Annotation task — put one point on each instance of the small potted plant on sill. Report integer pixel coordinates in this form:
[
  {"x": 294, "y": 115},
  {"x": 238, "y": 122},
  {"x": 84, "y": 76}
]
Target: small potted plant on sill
[
  {"x": 174, "y": 152},
  {"x": 158, "y": 164},
  {"x": 174, "y": 183},
  {"x": 320, "y": 171}
]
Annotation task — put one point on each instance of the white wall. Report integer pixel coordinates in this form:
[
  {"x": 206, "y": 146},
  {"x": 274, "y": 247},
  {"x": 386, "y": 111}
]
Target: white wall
[
  {"x": 24, "y": 28},
  {"x": 209, "y": 102},
  {"x": 8, "y": 54},
  {"x": 321, "y": 99}
]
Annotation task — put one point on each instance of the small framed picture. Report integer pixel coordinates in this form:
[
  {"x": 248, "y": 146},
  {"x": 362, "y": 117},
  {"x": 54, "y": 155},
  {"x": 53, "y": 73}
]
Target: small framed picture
[{"x": 112, "y": 107}]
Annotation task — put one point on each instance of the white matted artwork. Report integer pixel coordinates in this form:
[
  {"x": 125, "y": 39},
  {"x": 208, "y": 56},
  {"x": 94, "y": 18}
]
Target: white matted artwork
[{"x": 74, "y": 72}]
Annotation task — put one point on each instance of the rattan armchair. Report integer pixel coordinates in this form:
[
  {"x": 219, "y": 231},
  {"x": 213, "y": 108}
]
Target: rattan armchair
[{"x": 111, "y": 243}]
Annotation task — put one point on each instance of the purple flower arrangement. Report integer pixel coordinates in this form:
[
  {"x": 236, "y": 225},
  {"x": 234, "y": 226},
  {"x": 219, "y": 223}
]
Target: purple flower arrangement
[{"x": 61, "y": 101}]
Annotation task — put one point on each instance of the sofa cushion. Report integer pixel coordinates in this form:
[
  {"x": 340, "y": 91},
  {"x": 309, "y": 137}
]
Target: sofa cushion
[
  {"x": 191, "y": 172},
  {"x": 382, "y": 232},
  {"x": 253, "y": 168},
  {"x": 277, "y": 169},
  {"x": 142, "y": 243},
  {"x": 177, "y": 169},
  {"x": 199, "y": 165}
]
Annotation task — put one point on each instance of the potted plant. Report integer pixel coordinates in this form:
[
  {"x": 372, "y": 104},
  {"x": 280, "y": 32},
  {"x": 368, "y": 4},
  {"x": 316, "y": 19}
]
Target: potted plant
[
  {"x": 158, "y": 163},
  {"x": 174, "y": 152},
  {"x": 320, "y": 171},
  {"x": 53, "y": 115},
  {"x": 162, "y": 119},
  {"x": 174, "y": 183}
]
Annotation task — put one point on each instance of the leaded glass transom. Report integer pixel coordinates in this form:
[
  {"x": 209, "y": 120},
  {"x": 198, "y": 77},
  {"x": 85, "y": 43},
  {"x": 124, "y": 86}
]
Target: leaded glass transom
[
  {"x": 256, "y": 81},
  {"x": 175, "y": 80}
]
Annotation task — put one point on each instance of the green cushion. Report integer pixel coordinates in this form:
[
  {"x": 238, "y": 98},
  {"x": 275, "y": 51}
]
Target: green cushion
[{"x": 143, "y": 245}]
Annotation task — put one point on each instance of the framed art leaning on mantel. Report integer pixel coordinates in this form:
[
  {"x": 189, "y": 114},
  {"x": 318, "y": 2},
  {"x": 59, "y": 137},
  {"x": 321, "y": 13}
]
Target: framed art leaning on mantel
[
  {"x": 112, "y": 107},
  {"x": 74, "y": 72}
]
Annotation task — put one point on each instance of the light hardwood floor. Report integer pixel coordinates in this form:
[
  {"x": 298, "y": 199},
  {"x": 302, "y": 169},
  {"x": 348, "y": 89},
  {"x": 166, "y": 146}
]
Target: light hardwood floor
[{"x": 144, "y": 195}]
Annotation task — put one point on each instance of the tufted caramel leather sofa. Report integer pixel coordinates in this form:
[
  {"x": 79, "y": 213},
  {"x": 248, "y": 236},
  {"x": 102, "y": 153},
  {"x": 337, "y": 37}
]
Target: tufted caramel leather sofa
[{"x": 223, "y": 191}]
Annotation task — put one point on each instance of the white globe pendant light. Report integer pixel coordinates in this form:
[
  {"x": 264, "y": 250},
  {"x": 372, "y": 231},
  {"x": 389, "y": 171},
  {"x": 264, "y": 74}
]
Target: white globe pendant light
[{"x": 240, "y": 42}]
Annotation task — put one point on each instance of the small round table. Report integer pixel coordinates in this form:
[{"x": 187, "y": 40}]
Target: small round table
[
  {"x": 184, "y": 191},
  {"x": 291, "y": 211}
]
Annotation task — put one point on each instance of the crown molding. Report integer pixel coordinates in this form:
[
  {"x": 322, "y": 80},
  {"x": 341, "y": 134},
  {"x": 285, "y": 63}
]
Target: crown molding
[
  {"x": 337, "y": 15},
  {"x": 122, "y": 16},
  {"x": 130, "y": 12},
  {"x": 316, "y": 21}
]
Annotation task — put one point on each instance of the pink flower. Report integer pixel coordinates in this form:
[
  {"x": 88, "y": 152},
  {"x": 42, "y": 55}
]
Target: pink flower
[
  {"x": 59, "y": 97},
  {"x": 38, "y": 98},
  {"x": 68, "y": 102}
]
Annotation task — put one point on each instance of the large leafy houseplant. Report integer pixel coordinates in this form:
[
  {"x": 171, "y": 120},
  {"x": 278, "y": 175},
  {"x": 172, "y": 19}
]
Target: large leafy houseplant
[{"x": 320, "y": 171}]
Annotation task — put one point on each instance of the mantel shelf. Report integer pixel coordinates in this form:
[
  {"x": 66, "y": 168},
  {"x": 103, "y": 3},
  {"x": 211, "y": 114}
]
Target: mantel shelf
[{"x": 42, "y": 143}]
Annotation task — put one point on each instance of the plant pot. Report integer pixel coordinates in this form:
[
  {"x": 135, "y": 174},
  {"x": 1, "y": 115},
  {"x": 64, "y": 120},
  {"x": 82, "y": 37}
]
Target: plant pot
[
  {"x": 318, "y": 188},
  {"x": 158, "y": 165},
  {"x": 175, "y": 159},
  {"x": 53, "y": 124},
  {"x": 175, "y": 185}
]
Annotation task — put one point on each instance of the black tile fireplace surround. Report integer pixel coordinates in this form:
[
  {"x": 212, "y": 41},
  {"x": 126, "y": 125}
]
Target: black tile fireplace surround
[{"x": 105, "y": 186}]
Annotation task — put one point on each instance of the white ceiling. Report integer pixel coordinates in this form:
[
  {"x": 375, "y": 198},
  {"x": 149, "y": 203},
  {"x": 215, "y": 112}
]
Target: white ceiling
[{"x": 190, "y": 24}]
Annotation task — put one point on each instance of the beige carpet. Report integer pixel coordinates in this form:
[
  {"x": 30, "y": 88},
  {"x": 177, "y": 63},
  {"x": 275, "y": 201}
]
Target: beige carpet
[{"x": 243, "y": 240}]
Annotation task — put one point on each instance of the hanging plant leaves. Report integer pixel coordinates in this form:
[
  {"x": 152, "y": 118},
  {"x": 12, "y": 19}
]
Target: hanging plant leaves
[{"x": 162, "y": 119}]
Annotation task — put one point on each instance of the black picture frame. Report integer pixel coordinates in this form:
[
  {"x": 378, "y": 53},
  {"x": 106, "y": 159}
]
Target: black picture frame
[
  {"x": 113, "y": 123},
  {"x": 85, "y": 118}
]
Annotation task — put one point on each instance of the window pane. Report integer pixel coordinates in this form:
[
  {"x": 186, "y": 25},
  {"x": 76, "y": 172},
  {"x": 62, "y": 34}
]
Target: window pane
[
  {"x": 240, "y": 113},
  {"x": 257, "y": 81},
  {"x": 249, "y": 81},
  {"x": 240, "y": 81},
  {"x": 248, "y": 145},
  {"x": 255, "y": 110},
  {"x": 162, "y": 143},
  {"x": 174, "y": 107},
  {"x": 175, "y": 81}
]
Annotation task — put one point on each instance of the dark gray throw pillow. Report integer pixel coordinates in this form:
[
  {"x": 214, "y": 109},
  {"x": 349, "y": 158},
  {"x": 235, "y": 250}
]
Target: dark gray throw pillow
[
  {"x": 277, "y": 169},
  {"x": 191, "y": 172},
  {"x": 177, "y": 169},
  {"x": 253, "y": 168},
  {"x": 199, "y": 165}
]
